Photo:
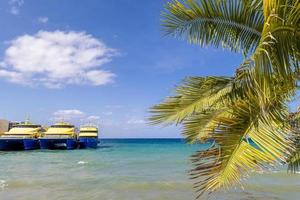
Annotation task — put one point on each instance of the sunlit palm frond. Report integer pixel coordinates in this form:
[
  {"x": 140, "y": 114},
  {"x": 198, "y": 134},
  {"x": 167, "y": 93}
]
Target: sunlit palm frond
[
  {"x": 232, "y": 24},
  {"x": 247, "y": 136},
  {"x": 195, "y": 95},
  {"x": 200, "y": 126},
  {"x": 247, "y": 140},
  {"x": 278, "y": 49}
]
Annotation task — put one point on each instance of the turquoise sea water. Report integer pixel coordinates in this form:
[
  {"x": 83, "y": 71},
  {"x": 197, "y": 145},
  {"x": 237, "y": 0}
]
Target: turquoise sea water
[{"x": 153, "y": 169}]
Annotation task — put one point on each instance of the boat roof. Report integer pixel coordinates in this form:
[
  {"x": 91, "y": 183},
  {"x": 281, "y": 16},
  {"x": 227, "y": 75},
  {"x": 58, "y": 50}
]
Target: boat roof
[
  {"x": 24, "y": 128},
  {"x": 88, "y": 129},
  {"x": 62, "y": 125},
  {"x": 26, "y": 124},
  {"x": 89, "y": 125}
]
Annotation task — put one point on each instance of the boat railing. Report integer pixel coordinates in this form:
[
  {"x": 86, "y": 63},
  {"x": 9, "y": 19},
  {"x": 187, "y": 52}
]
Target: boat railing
[
  {"x": 58, "y": 136},
  {"x": 16, "y": 136},
  {"x": 89, "y": 125}
]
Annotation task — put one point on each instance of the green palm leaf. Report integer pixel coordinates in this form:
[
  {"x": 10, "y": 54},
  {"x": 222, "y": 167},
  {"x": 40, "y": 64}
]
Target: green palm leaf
[
  {"x": 201, "y": 126},
  {"x": 278, "y": 49},
  {"x": 294, "y": 159},
  {"x": 233, "y": 156},
  {"x": 195, "y": 95},
  {"x": 231, "y": 24}
]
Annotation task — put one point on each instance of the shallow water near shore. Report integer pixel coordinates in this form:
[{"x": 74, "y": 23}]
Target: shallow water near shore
[{"x": 131, "y": 169}]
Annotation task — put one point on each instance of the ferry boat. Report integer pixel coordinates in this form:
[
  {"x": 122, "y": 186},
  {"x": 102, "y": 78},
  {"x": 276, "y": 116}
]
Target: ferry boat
[
  {"x": 23, "y": 136},
  {"x": 59, "y": 136},
  {"x": 88, "y": 136}
]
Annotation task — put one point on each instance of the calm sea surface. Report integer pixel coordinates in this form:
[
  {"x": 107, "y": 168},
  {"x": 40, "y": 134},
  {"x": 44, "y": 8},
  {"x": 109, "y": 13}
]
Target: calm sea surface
[{"x": 131, "y": 169}]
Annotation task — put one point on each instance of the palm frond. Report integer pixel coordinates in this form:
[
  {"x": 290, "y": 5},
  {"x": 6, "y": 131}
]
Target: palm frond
[
  {"x": 236, "y": 25},
  {"x": 195, "y": 95},
  {"x": 294, "y": 160},
  {"x": 200, "y": 126},
  {"x": 278, "y": 49},
  {"x": 247, "y": 140}
]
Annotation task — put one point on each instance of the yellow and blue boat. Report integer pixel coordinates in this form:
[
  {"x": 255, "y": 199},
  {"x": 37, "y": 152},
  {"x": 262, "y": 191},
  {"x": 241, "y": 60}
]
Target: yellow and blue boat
[
  {"x": 88, "y": 136},
  {"x": 23, "y": 136},
  {"x": 59, "y": 136}
]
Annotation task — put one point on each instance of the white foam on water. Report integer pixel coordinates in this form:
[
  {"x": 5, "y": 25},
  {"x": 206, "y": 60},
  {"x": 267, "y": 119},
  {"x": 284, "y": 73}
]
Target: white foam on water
[
  {"x": 3, "y": 184},
  {"x": 82, "y": 162}
]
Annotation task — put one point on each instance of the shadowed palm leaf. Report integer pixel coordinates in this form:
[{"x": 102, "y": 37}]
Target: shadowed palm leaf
[{"x": 294, "y": 159}]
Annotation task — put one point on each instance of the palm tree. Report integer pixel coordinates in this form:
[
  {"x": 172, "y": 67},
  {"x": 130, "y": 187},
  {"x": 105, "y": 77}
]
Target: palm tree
[{"x": 245, "y": 115}]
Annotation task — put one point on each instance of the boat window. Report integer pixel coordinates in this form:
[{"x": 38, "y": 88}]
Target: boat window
[
  {"x": 62, "y": 126},
  {"x": 88, "y": 131},
  {"x": 15, "y": 135},
  {"x": 27, "y": 126}
]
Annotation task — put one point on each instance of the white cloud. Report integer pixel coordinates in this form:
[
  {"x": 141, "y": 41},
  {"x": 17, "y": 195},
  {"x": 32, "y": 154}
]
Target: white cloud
[
  {"x": 14, "y": 10},
  {"x": 107, "y": 113},
  {"x": 15, "y": 6},
  {"x": 14, "y": 77},
  {"x": 93, "y": 118},
  {"x": 75, "y": 115},
  {"x": 43, "y": 20},
  {"x": 58, "y": 58},
  {"x": 136, "y": 121},
  {"x": 114, "y": 106},
  {"x": 99, "y": 77},
  {"x": 68, "y": 114}
]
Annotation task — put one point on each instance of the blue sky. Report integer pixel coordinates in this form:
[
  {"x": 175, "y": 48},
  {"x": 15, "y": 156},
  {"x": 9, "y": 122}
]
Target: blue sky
[{"x": 123, "y": 63}]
